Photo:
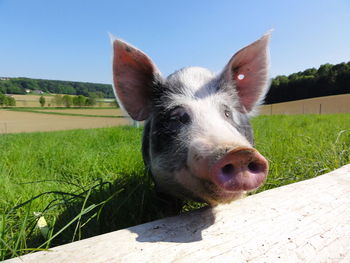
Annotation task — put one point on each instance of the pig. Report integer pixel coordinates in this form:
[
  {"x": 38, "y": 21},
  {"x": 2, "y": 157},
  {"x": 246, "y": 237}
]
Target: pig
[{"x": 198, "y": 141}]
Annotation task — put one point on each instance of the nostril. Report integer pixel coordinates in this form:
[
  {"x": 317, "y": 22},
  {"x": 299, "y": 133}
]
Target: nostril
[
  {"x": 255, "y": 167},
  {"x": 227, "y": 170},
  {"x": 239, "y": 170}
]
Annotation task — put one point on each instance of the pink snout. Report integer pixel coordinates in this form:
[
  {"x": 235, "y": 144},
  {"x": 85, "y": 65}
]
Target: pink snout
[{"x": 241, "y": 169}]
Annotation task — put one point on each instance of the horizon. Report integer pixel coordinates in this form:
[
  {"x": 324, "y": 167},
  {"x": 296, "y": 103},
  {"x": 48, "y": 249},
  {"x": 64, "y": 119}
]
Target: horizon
[
  {"x": 68, "y": 41},
  {"x": 9, "y": 77}
]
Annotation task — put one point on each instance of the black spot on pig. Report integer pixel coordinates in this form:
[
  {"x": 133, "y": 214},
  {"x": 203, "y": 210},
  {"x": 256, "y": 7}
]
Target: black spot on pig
[{"x": 166, "y": 143}]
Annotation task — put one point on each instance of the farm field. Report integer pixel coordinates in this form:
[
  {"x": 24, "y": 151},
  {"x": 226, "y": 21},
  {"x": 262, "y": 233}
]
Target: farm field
[
  {"x": 18, "y": 121},
  {"x": 33, "y": 101},
  {"x": 322, "y": 105},
  {"x": 88, "y": 182},
  {"x": 107, "y": 112},
  {"x": 30, "y": 100}
]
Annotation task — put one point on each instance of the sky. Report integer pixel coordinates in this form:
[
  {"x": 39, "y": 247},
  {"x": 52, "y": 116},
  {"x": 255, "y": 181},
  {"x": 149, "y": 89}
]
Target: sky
[{"x": 68, "y": 39}]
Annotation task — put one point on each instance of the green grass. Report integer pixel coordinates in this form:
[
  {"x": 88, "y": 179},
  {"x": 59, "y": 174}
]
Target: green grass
[
  {"x": 303, "y": 146},
  {"x": 88, "y": 182},
  {"x": 59, "y": 108},
  {"x": 42, "y": 111}
]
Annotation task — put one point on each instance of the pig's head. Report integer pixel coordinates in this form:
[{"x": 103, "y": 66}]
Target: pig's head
[{"x": 198, "y": 142}]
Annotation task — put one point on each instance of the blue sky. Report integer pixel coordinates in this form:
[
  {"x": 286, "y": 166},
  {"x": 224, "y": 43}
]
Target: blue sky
[{"x": 67, "y": 39}]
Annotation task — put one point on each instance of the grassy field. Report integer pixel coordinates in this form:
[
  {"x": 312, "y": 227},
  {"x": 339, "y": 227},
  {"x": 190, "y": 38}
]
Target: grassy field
[{"x": 88, "y": 182}]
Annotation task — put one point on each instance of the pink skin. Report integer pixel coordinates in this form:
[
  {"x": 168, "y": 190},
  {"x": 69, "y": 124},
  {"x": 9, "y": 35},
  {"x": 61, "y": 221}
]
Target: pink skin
[
  {"x": 242, "y": 169},
  {"x": 239, "y": 170}
]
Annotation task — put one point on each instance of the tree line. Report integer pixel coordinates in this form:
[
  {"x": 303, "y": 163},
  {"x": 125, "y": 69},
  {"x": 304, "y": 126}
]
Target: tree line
[
  {"x": 327, "y": 80},
  {"x": 7, "y": 100},
  {"x": 69, "y": 101},
  {"x": 20, "y": 85}
]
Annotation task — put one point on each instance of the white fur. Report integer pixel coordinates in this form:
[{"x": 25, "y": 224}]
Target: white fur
[
  {"x": 209, "y": 128},
  {"x": 193, "y": 79},
  {"x": 210, "y": 131}
]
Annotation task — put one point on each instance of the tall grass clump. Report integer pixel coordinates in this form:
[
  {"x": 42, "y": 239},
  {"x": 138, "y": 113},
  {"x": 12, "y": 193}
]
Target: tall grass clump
[
  {"x": 59, "y": 187},
  {"x": 300, "y": 147},
  {"x": 73, "y": 181}
]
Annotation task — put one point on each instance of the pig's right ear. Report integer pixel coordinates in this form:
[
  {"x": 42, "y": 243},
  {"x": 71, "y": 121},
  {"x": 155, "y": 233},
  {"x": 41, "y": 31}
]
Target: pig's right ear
[{"x": 134, "y": 74}]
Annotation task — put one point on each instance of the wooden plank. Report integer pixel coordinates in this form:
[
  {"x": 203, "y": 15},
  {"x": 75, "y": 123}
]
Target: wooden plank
[{"x": 307, "y": 221}]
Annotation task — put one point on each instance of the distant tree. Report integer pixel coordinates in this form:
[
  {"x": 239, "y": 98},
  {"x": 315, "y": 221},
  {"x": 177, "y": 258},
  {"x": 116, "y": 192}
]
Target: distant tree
[
  {"x": 310, "y": 72},
  {"x": 19, "y": 85},
  {"x": 79, "y": 101},
  {"x": 90, "y": 101},
  {"x": 324, "y": 70},
  {"x": 341, "y": 68},
  {"x": 67, "y": 101},
  {"x": 327, "y": 80},
  {"x": 31, "y": 84},
  {"x": 57, "y": 100},
  {"x": 12, "y": 89},
  {"x": 343, "y": 81},
  {"x": 2, "y": 99},
  {"x": 97, "y": 95},
  {"x": 280, "y": 80},
  {"x": 11, "y": 101},
  {"x": 7, "y": 100},
  {"x": 42, "y": 101},
  {"x": 294, "y": 76},
  {"x": 70, "y": 90}
]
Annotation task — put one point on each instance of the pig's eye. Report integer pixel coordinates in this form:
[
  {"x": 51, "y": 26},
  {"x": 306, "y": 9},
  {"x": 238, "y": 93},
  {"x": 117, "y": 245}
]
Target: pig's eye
[
  {"x": 177, "y": 118},
  {"x": 228, "y": 114}
]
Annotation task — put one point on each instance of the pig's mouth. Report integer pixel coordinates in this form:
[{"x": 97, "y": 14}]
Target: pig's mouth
[{"x": 218, "y": 178}]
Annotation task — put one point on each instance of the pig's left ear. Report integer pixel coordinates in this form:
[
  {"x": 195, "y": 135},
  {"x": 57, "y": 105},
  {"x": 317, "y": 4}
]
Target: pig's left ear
[{"x": 248, "y": 70}]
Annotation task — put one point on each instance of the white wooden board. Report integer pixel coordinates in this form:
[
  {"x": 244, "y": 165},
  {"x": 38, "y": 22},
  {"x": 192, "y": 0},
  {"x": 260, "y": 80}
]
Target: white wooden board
[{"x": 307, "y": 221}]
